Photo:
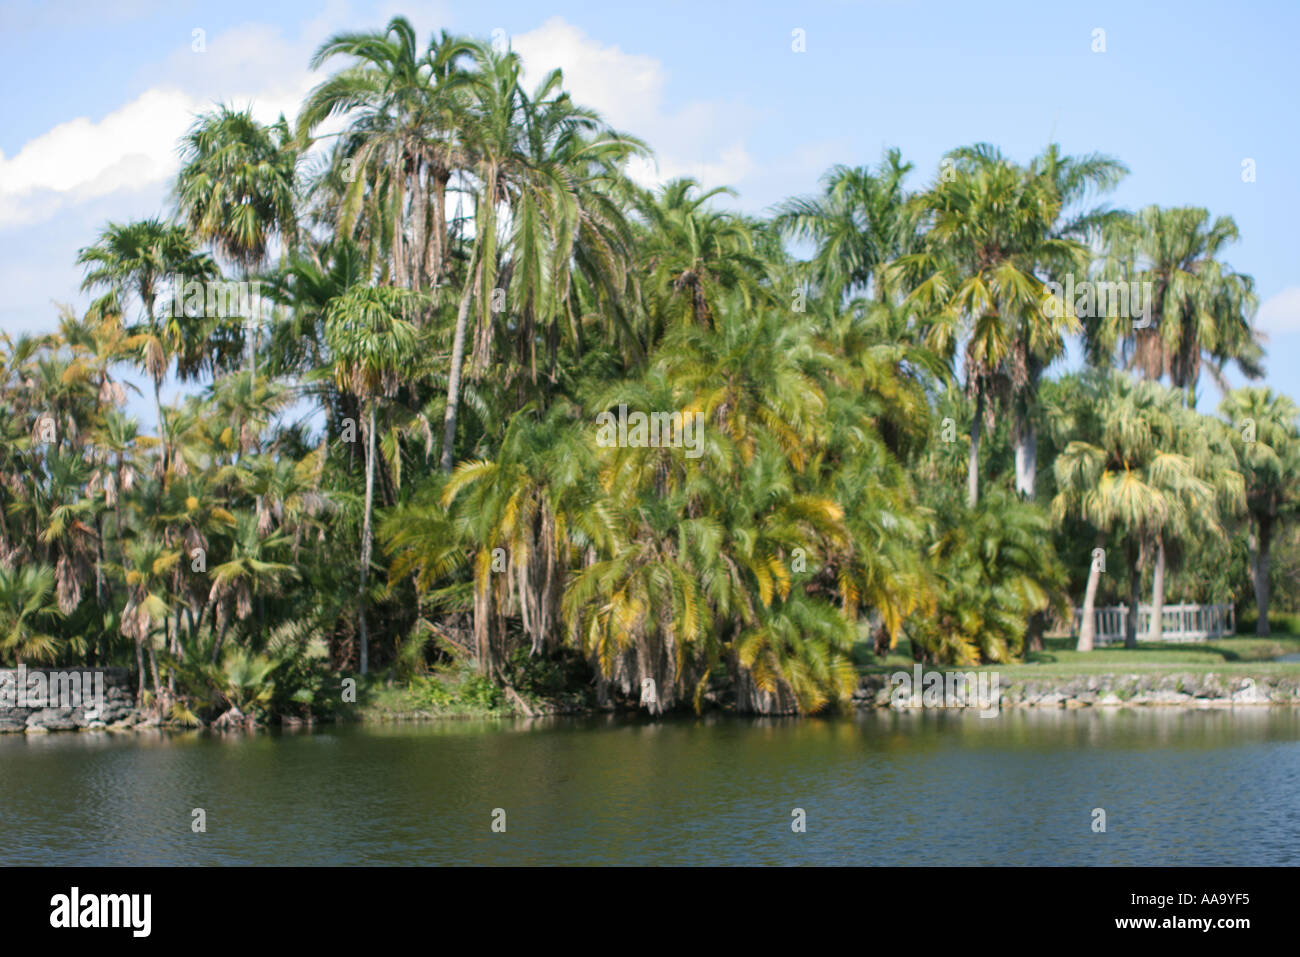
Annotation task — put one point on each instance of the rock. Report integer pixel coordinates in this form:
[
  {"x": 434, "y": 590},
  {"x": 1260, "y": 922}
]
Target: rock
[
  {"x": 1210, "y": 687},
  {"x": 51, "y": 719},
  {"x": 1250, "y": 693}
]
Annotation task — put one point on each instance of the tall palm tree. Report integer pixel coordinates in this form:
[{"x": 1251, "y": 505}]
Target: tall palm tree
[
  {"x": 371, "y": 343},
  {"x": 405, "y": 141},
  {"x": 992, "y": 234},
  {"x": 236, "y": 189},
  {"x": 533, "y": 160},
  {"x": 1124, "y": 472},
  {"x": 1201, "y": 308},
  {"x": 135, "y": 260},
  {"x": 861, "y": 222},
  {"x": 1265, "y": 435}
]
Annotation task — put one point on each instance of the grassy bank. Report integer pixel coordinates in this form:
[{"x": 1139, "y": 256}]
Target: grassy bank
[
  {"x": 1236, "y": 655},
  {"x": 459, "y": 692}
]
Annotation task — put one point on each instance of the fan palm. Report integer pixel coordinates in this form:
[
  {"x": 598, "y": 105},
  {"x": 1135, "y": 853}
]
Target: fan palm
[
  {"x": 134, "y": 260},
  {"x": 28, "y": 612},
  {"x": 1129, "y": 477},
  {"x": 1200, "y": 308},
  {"x": 1265, "y": 436}
]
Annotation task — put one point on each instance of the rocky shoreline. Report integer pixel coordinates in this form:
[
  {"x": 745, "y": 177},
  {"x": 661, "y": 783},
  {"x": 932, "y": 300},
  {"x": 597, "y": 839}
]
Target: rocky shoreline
[
  {"x": 1118, "y": 690},
  {"x": 38, "y": 700},
  {"x": 115, "y": 709}
]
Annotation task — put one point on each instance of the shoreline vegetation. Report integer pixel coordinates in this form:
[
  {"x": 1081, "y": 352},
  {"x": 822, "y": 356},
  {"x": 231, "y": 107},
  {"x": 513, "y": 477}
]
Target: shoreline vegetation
[
  {"x": 476, "y": 423},
  {"x": 1231, "y": 673}
]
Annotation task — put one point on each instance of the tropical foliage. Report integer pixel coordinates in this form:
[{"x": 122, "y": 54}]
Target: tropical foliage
[{"x": 396, "y": 454}]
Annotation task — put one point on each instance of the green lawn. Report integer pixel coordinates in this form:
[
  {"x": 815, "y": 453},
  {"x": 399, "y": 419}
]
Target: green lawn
[{"x": 1243, "y": 654}]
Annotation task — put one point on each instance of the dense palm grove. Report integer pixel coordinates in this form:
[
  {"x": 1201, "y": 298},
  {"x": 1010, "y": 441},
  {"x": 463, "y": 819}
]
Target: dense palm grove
[{"x": 388, "y": 461}]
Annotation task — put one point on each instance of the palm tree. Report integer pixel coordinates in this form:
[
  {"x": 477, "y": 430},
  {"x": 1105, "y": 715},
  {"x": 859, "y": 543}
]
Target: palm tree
[
  {"x": 693, "y": 255},
  {"x": 404, "y": 142},
  {"x": 371, "y": 343},
  {"x": 992, "y": 233},
  {"x": 1265, "y": 436},
  {"x": 1128, "y": 478},
  {"x": 1200, "y": 308},
  {"x": 533, "y": 162},
  {"x": 27, "y": 613},
  {"x": 236, "y": 188},
  {"x": 146, "y": 576},
  {"x": 248, "y": 573},
  {"x": 994, "y": 570},
  {"x": 861, "y": 222},
  {"x": 135, "y": 260},
  {"x": 526, "y": 502}
]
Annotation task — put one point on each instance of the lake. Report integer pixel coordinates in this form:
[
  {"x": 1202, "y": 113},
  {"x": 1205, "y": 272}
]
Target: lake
[{"x": 1178, "y": 786}]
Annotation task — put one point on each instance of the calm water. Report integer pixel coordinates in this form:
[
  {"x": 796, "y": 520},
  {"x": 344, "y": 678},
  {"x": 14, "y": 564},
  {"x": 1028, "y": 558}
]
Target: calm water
[{"x": 1178, "y": 787}]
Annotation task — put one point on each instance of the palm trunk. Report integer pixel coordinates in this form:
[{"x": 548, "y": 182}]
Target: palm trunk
[
  {"x": 417, "y": 255},
  {"x": 399, "y": 202},
  {"x": 139, "y": 670},
  {"x": 1026, "y": 442},
  {"x": 1025, "y": 437},
  {"x": 162, "y": 433},
  {"x": 221, "y": 637},
  {"x": 1088, "y": 626},
  {"x": 1259, "y": 573},
  {"x": 878, "y": 284},
  {"x": 153, "y": 665},
  {"x": 485, "y": 223},
  {"x": 1134, "y": 597},
  {"x": 174, "y": 634},
  {"x": 99, "y": 582},
  {"x": 457, "y": 360},
  {"x": 365, "y": 538},
  {"x": 438, "y": 241},
  {"x": 1158, "y": 594},
  {"x": 973, "y": 463}
]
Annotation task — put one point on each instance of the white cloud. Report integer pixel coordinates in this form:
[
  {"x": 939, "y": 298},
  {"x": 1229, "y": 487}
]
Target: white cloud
[
  {"x": 1280, "y": 313},
  {"x": 731, "y": 166},
  {"x": 135, "y": 146},
  {"x": 703, "y": 139},
  {"x": 626, "y": 88},
  {"x": 80, "y": 159}
]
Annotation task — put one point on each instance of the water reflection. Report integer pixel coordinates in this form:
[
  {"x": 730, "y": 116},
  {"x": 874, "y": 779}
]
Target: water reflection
[{"x": 1179, "y": 786}]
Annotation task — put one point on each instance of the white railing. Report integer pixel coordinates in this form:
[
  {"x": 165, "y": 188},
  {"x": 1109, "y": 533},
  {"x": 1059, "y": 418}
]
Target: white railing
[{"x": 1181, "y": 622}]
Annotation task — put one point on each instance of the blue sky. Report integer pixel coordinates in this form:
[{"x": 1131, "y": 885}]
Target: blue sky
[{"x": 96, "y": 95}]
